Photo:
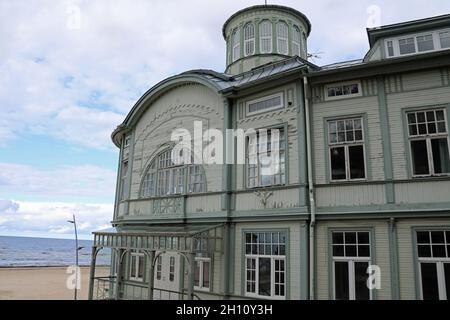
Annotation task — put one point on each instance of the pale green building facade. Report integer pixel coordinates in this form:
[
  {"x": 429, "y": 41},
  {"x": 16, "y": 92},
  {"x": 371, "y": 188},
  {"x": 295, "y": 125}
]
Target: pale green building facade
[{"x": 364, "y": 178}]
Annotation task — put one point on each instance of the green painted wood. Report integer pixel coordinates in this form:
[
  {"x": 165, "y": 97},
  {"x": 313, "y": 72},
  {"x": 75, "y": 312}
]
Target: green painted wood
[
  {"x": 301, "y": 137},
  {"x": 304, "y": 262},
  {"x": 386, "y": 140},
  {"x": 394, "y": 263}
]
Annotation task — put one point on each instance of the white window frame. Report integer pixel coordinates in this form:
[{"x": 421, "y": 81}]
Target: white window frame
[
  {"x": 249, "y": 41},
  {"x": 283, "y": 156},
  {"x": 346, "y": 145},
  {"x": 280, "y": 106},
  {"x": 172, "y": 268},
  {"x": 296, "y": 43},
  {"x": 201, "y": 263},
  {"x": 272, "y": 258},
  {"x": 236, "y": 45},
  {"x": 282, "y": 38},
  {"x": 427, "y": 138},
  {"x": 439, "y": 267},
  {"x": 395, "y": 42},
  {"x": 342, "y": 84},
  {"x": 351, "y": 264},
  {"x": 265, "y": 37},
  {"x": 158, "y": 268},
  {"x": 135, "y": 267}
]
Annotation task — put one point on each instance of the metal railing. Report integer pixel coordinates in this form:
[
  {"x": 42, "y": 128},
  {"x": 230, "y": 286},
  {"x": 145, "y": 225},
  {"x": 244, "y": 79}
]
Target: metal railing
[{"x": 104, "y": 289}]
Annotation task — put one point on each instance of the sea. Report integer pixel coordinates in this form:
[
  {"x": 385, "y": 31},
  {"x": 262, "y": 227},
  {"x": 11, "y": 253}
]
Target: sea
[{"x": 40, "y": 252}]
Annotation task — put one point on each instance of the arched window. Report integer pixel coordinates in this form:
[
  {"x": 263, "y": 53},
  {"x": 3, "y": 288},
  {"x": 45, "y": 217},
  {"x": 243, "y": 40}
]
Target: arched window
[
  {"x": 249, "y": 39},
  {"x": 164, "y": 178},
  {"x": 282, "y": 38},
  {"x": 236, "y": 44},
  {"x": 296, "y": 41},
  {"x": 265, "y": 35}
]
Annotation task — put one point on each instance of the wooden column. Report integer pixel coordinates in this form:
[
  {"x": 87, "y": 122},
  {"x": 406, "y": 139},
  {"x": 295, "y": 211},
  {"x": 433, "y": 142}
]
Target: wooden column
[
  {"x": 151, "y": 273},
  {"x": 119, "y": 273},
  {"x": 191, "y": 257},
  {"x": 92, "y": 273}
]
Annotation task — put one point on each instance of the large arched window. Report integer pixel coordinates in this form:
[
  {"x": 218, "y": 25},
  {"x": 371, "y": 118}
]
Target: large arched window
[
  {"x": 265, "y": 35},
  {"x": 282, "y": 38},
  {"x": 249, "y": 39},
  {"x": 296, "y": 41},
  {"x": 236, "y": 44},
  {"x": 164, "y": 178}
]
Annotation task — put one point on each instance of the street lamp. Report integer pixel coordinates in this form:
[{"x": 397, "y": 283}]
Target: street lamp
[{"x": 77, "y": 248}]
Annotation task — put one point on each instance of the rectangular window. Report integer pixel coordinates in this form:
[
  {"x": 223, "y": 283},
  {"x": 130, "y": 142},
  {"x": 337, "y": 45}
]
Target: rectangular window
[
  {"x": 137, "y": 261},
  {"x": 433, "y": 252},
  {"x": 124, "y": 173},
  {"x": 172, "y": 269},
  {"x": 428, "y": 139},
  {"x": 265, "y": 256},
  {"x": 170, "y": 177},
  {"x": 346, "y": 148},
  {"x": 159, "y": 267},
  {"x": 196, "y": 179},
  {"x": 444, "y": 38},
  {"x": 425, "y": 43},
  {"x": 202, "y": 273},
  {"x": 407, "y": 45},
  {"x": 390, "y": 48},
  {"x": 265, "y": 104},
  {"x": 351, "y": 259},
  {"x": 343, "y": 90},
  {"x": 265, "y": 167}
]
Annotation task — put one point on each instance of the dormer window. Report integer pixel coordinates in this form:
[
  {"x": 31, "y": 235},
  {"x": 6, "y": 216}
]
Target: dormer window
[
  {"x": 417, "y": 43},
  {"x": 249, "y": 39}
]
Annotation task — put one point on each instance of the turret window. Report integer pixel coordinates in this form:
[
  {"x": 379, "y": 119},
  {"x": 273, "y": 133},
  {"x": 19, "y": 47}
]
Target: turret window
[
  {"x": 265, "y": 33},
  {"x": 282, "y": 38},
  {"x": 296, "y": 40},
  {"x": 249, "y": 39},
  {"x": 236, "y": 43}
]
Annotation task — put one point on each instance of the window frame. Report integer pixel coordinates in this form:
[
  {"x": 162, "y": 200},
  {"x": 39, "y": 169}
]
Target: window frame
[
  {"x": 137, "y": 255},
  {"x": 283, "y": 149},
  {"x": 427, "y": 137},
  {"x": 201, "y": 262},
  {"x": 342, "y": 84},
  {"x": 438, "y": 261},
  {"x": 264, "y": 98},
  {"x": 265, "y": 37},
  {"x": 295, "y": 43},
  {"x": 235, "y": 45},
  {"x": 396, "y": 46},
  {"x": 249, "y": 41},
  {"x": 280, "y": 38},
  {"x": 284, "y": 258},
  {"x": 331, "y": 145},
  {"x": 350, "y": 261}
]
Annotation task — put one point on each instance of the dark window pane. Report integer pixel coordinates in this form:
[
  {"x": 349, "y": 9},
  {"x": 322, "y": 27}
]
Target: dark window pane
[
  {"x": 430, "y": 116},
  {"x": 264, "y": 276},
  {"x": 412, "y": 118},
  {"x": 362, "y": 292},
  {"x": 338, "y": 163},
  {"x": 363, "y": 251},
  {"x": 432, "y": 128},
  {"x": 437, "y": 237},
  {"x": 439, "y": 251},
  {"x": 350, "y": 237},
  {"x": 424, "y": 251},
  {"x": 341, "y": 280},
  {"x": 421, "y": 117},
  {"x": 206, "y": 274},
  {"x": 248, "y": 249},
  {"x": 430, "y": 289},
  {"x": 197, "y": 274},
  {"x": 447, "y": 279},
  {"x": 356, "y": 157},
  {"x": 363, "y": 237},
  {"x": 338, "y": 251},
  {"x": 447, "y": 236},
  {"x": 350, "y": 136},
  {"x": 419, "y": 157},
  {"x": 423, "y": 237},
  {"x": 338, "y": 237},
  {"x": 422, "y": 128},
  {"x": 358, "y": 135},
  {"x": 350, "y": 250},
  {"x": 413, "y": 130},
  {"x": 441, "y": 159}
]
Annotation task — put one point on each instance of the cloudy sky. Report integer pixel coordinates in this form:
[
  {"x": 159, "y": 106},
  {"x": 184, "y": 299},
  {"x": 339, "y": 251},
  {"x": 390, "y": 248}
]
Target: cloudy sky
[{"x": 71, "y": 70}]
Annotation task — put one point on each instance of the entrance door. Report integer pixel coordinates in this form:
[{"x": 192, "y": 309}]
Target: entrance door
[{"x": 167, "y": 277}]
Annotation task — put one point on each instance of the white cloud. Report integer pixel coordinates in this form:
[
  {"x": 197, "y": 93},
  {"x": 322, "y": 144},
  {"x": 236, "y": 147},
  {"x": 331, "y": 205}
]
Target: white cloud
[
  {"x": 50, "y": 219},
  {"x": 85, "y": 181}
]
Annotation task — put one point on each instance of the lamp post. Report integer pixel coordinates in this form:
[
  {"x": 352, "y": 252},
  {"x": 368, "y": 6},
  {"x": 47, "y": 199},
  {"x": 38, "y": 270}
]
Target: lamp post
[{"x": 77, "y": 248}]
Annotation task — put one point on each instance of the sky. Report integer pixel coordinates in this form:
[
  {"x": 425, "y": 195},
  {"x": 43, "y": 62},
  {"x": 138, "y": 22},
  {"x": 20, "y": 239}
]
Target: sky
[{"x": 70, "y": 71}]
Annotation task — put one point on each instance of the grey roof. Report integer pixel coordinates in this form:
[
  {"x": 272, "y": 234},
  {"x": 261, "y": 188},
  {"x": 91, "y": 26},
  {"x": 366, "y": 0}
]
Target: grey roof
[{"x": 343, "y": 64}]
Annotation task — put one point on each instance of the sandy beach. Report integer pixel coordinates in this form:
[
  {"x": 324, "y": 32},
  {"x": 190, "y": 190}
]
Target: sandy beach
[{"x": 42, "y": 283}]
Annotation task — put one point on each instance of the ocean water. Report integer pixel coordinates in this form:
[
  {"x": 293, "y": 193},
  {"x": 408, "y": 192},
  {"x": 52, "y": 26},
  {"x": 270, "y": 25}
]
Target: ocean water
[{"x": 34, "y": 252}]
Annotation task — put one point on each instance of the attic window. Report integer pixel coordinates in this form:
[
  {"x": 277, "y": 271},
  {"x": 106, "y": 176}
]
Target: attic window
[
  {"x": 343, "y": 90},
  {"x": 417, "y": 43}
]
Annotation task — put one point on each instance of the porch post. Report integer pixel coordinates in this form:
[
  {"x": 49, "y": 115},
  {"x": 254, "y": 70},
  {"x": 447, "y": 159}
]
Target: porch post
[
  {"x": 150, "y": 276},
  {"x": 119, "y": 273},
  {"x": 92, "y": 273},
  {"x": 191, "y": 276}
]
